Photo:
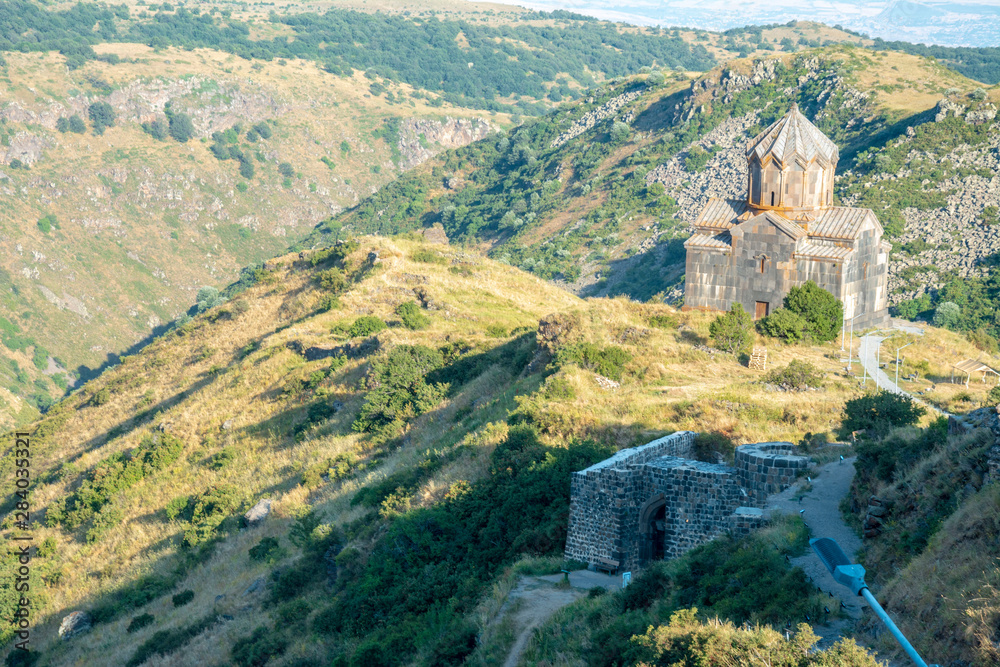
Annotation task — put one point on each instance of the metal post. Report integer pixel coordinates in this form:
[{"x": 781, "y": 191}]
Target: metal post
[
  {"x": 877, "y": 608},
  {"x": 878, "y": 364}
]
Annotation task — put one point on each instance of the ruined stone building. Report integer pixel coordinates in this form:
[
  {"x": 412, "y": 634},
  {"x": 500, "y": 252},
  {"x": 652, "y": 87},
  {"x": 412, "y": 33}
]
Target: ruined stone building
[
  {"x": 653, "y": 502},
  {"x": 787, "y": 231}
]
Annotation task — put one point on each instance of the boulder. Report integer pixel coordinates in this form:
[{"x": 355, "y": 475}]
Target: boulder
[
  {"x": 258, "y": 512},
  {"x": 75, "y": 624}
]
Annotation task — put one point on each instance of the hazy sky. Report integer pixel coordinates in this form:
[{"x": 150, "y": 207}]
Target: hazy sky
[{"x": 965, "y": 23}]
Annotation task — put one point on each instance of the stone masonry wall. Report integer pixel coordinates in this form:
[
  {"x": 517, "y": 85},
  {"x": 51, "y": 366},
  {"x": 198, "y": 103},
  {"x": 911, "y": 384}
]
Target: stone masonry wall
[
  {"x": 603, "y": 495},
  {"x": 767, "y": 468},
  {"x": 611, "y": 500}
]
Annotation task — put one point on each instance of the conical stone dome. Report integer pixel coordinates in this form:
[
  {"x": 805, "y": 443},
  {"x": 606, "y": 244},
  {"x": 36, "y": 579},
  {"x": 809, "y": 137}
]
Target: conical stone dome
[
  {"x": 791, "y": 165},
  {"x": 790, "y": 138}
]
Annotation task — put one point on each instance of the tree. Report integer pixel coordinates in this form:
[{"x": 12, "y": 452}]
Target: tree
[
  {"x": 209, "y": 297},
  {"x": 783, "y": 324},
  {"x": 156, "y": 129},
  {"x": 76, "y": 124},
  {"x": 181, "y": 127},
  {"x": 877, "y": 412},
  {"x": 731, "y": 332},
  {"x": 619, "y": 132},
  {"x": 102, "y": 116},
  {"x": 821, "y": 310},
  {"x": 947, "y": 315}
]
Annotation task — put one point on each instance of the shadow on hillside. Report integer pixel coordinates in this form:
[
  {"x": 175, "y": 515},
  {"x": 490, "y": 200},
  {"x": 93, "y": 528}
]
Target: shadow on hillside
[
  {"x": 880, "y": 138},
  {"x": 660, "y": 115},
  {"x": 643, "y": 275},
  {"x": 140, "y": 419}
]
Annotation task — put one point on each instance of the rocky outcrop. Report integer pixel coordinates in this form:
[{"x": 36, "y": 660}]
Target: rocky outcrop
[
  {"x": 25, "y": 147},
  {"x": 256, "y": 514},
  {"x": 607, "y": 110},
  {"x": 421, "y": 139},
  {"x": 74, "y": 624}
]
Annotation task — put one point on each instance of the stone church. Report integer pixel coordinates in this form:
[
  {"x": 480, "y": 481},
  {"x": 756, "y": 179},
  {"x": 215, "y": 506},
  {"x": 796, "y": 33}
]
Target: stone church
[{"x": 787, "y": 231}]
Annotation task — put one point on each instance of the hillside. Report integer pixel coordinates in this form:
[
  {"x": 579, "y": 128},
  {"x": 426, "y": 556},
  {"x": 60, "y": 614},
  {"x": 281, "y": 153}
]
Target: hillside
[
  {"x": 289, "y": 394},
  {"x": 114, "y": 231},
  {"x": 151, "y": 152},
  {"x": 600, "y": 196}
]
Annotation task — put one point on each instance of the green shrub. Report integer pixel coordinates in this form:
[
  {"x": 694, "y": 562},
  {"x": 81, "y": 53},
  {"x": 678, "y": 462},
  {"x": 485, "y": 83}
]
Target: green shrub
[
  {"x": 559, "y": 389},
  {"x": 686, "y": 640},
  {"x": 822, "y": 311},
  {"x": 708, "y": 445},
  {"x": 102, "y": 116},
  {"x": 166, "y": 642},
  {"x": 265, "y": 550},
  {"x": 609, "y": 361},
  {"x": 427, "y": 256},
  {"x": 731, "y": 331},
  {"x": 796, "y": 374},
  {"x": 882, "y": 458},
  {"x": 182, "y": 598},
  {"x": 663, "y": 321},
  {"x": 293, "y": 612},
  {"x": 879, "y": 411},
  {"x": 257, "y": 649},
  {"x": 176, "y": 507},
  {"x": 109, "y": 517},
  {"x": 783, "y": 324},
  {"x": 401, "y": 391},
  {"x": 139, "y": 622},
  {"x": 411, "y": 315},
  {"x": 223, "y": 458},
  {"x": 993, "y": 397},
  {"x": 100, "y": 397},
  {"x": 46, "y": 548},
  {"x": 366, "y": 325},
  {"x": 947, "y": 315},
  {"x": 209, "y": 509}
]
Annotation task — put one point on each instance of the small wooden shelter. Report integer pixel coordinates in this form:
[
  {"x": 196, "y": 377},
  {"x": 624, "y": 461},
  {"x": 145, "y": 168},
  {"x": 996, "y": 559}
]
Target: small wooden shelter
[{"x": 970, "y": 366}]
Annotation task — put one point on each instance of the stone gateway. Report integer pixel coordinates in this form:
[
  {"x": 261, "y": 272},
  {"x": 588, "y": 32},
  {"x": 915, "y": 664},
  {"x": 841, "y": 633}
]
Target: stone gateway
[
  {"x": 787, "y": 231},
  {"x": 653, "y": 502}
]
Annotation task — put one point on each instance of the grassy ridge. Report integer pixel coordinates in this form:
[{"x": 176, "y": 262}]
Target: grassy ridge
[{"x": 356, "y": 508}]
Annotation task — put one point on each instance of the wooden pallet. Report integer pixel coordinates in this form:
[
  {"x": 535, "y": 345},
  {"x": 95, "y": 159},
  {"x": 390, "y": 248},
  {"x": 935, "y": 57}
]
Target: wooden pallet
[{"x": 758, "y": 359}]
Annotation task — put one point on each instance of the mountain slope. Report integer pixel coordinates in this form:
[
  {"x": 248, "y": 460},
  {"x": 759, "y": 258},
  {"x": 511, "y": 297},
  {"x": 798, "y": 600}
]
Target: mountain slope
[{"x": 245, "y": 402}]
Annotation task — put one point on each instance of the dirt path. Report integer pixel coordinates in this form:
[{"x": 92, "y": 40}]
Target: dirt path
[
  {"x": 540, "y": 598},
  {"x": 822, "y": 514}
]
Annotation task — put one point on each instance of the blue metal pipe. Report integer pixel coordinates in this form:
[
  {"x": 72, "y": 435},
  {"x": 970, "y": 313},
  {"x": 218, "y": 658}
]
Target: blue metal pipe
[{"x": 910, "y": 651}]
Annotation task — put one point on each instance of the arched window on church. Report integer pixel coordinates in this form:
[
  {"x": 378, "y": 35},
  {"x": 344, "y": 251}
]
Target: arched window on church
[
  {"x": 762, "y": 261},
  {"x": 772, "y": 198},
  {"x": 866, "y": 270}
]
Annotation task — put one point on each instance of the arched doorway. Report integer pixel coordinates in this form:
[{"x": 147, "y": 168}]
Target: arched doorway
[{"x": 652, "y": 529}]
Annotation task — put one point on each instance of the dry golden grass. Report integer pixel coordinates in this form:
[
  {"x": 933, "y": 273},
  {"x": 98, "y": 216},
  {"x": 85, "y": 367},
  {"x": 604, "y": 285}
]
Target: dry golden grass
[
  {"x": 668, "y": 385},
  {"x": 171, "y": 211}
]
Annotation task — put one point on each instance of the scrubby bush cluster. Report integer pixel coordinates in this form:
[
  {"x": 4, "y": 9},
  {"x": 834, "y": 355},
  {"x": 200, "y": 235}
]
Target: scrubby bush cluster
[
  {"x": 110, "y": 477},
  {"x": 810, "y": 312},
  {"x": 608, "y": 360}
]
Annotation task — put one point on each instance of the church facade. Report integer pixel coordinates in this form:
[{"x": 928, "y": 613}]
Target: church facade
[{"x": 787, "y": 231}]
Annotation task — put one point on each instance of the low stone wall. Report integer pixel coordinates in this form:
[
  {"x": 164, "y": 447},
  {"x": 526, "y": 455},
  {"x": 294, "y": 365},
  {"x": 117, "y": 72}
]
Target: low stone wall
[
  {"x": 614, "y": 504},
  {"x": 745, "y": 520},
  {"x": 766, "y": 468}
]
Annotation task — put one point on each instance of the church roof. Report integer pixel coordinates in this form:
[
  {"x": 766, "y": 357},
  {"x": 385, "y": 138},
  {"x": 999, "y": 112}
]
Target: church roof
[
  {"x": 811, "y": 250},
  {"x": 721, "y": 213},
  {"x": 793, "y": 138},
  {"x": 836, "y": 222},
  {"x": 721, "y": 241}
]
